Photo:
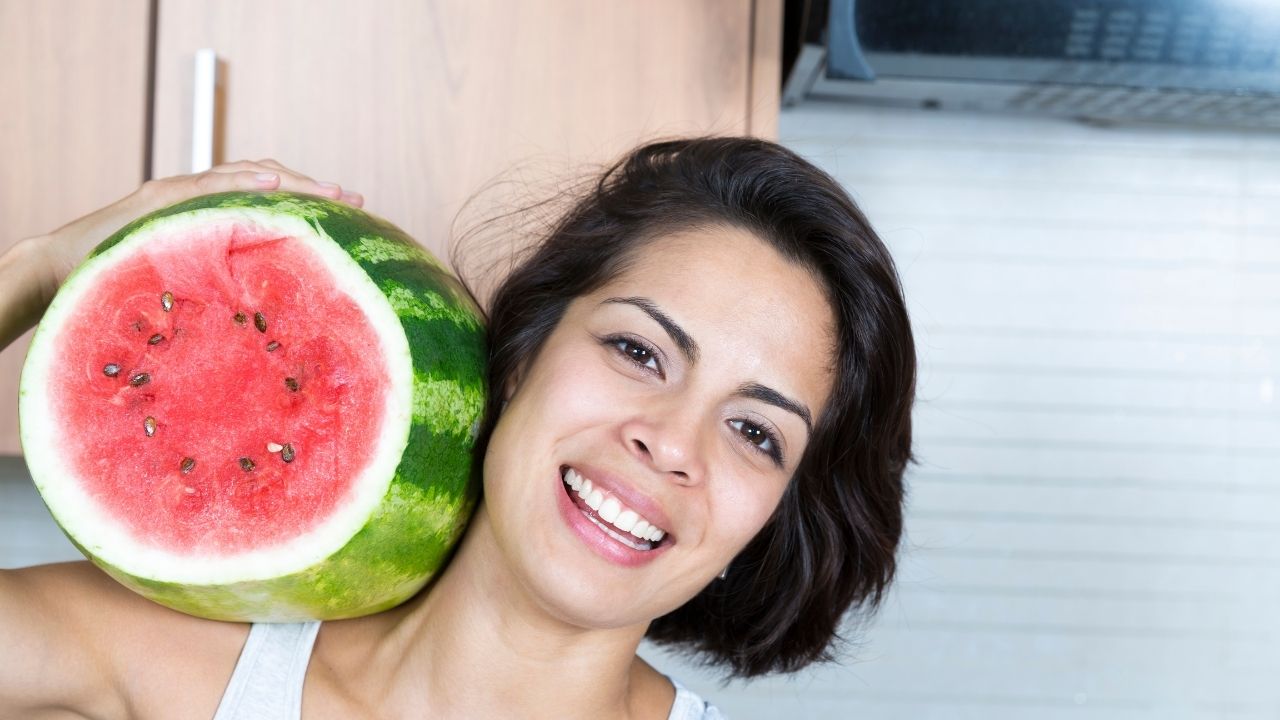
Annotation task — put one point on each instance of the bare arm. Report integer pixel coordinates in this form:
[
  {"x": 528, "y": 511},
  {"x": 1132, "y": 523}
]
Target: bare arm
[
  {"x": 25, "y": 290},
  {"x": 87, "y": 647},
  {"x": 50, "y": 670},
  {"x": 33, "y": 269}
]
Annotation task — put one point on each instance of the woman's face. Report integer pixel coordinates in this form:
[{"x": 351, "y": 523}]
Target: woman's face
[{"x": 683, "y": 392}]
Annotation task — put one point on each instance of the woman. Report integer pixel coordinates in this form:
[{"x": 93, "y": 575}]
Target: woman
[{"x": 712, "y": 339}]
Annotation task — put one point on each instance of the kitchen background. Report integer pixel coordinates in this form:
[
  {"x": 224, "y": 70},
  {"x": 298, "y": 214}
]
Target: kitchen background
[{"x": 1095, "y": 513}]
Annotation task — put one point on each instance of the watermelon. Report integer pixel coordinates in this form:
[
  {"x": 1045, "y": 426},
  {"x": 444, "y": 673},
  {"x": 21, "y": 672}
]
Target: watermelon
[{"x": 258, "y": 407}]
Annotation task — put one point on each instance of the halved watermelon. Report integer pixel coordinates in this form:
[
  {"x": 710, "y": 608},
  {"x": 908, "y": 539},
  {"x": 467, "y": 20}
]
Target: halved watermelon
[{"x": 258, "y": 407}]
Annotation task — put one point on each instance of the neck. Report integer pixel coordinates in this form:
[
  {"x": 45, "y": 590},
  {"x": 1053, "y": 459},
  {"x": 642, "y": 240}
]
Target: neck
[{"x": 478, "y": 645}]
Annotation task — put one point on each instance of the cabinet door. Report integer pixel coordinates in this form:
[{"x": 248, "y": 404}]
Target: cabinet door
[
  {"x": 418, "y": 104},
  {"x": 73, "y": 84}
]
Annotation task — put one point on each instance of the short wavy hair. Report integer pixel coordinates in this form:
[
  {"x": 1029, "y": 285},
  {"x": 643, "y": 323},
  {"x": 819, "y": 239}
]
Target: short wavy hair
[{"x": 830, "y": 547}]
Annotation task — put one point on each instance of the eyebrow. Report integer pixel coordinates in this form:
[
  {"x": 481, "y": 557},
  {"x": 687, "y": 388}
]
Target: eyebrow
[
  {"x": 689, "y": 349},
  {"x": 756, "y": 391},
  {"x": 681, "y": 338}
]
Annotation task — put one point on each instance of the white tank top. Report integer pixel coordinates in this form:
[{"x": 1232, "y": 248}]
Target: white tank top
[{"x": 267, "y": 682}]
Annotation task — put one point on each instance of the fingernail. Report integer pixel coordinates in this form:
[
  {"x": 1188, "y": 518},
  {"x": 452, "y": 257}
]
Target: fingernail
[
  {"x": 266, "y": 178},
  {"x": 328, "y": 185},
  {"x": 352, "y": 198}
]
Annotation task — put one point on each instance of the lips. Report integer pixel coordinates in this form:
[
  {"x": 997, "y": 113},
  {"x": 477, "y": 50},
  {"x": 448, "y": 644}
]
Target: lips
[
  {"x": 622, "y": 520},
  {"x": 612, "y": 519}
]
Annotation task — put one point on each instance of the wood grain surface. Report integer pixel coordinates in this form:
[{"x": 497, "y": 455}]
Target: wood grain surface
[
  {"x": 420, "y": 104},
  {"x": 73, "y": 78},
  {"x": 765, "y": 99}
]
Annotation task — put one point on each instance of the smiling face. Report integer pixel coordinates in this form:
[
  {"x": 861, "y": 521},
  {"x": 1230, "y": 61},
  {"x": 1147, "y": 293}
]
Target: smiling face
[{"x": 654, "y": 433}]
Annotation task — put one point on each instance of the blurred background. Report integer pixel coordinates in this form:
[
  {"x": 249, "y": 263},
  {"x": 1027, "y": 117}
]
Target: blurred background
[{"x": 1083, "y": 198}]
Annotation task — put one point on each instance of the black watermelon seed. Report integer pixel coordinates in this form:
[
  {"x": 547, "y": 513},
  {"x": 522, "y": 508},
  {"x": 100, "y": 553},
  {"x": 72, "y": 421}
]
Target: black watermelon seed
[
  {"x": 188, "y": 464},
  {"x": 260, "y": 322},
  {"x": 272, "y": 346},
  {"x": 246, "y": 464},
  {"x": 149, "y": 425},
  {"x": 111, "y": 370},
  {"x": 166, "y": 301},
  {"x": 239, "y": 318},
  {"x": 140, "y": 379},
  {"x": 286, "y": 453},
  {"x": 291, "y": 384},
  {"x": 155, "y": 339}
]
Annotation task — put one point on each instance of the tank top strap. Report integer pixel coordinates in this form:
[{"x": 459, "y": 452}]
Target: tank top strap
[{"x": 267, "y": 681}]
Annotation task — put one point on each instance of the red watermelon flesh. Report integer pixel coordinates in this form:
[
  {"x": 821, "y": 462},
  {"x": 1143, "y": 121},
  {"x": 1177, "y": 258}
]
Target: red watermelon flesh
[
  {"x": 228, "y": 402},
  {"x": 317, "y": 468}
]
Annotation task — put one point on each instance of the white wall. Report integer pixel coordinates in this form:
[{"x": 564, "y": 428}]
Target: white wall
[
  {"x": 28, "y": 536},
  {"x": 1094, "y": 527}
]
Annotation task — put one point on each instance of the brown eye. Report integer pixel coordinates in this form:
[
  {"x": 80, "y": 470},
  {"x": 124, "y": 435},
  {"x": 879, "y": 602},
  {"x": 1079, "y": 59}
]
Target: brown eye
[
  {"x": 636, "y": 353},
  {"x": 639, "y": 354},
  {"x": 760, "y": 438},
  {"x": 754, "y": 434}
]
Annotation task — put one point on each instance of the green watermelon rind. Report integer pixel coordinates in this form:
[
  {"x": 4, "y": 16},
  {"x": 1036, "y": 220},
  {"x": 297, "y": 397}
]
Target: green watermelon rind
[{"x": 433, "y": 491}]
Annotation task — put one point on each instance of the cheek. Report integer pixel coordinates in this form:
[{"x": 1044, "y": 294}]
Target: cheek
[
  {"x": 555, "y": 400},
  {"x": 577, "y": 387},
  {"x": 744, "y": 508}
]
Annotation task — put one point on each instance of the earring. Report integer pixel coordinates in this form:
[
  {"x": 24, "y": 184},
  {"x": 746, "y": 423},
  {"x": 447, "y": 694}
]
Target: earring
[{"x": 723, "y": 573}]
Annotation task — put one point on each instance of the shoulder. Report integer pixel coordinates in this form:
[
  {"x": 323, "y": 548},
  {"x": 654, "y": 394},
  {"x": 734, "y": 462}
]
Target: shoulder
[
  {"x": 689, "y": 705},
  {"x": 87, "y": 644},
  {"x": 662, "y": 696}
]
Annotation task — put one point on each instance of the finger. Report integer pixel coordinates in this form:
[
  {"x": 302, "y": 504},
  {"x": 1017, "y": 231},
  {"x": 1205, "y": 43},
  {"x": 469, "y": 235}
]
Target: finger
[
  {"x": 260, "y": 166},
  {"x": 290, "y": 180},
  {"x": 328, "y": 189},
  {"x": 264, "y": 175},
  {"x": 212, "y": 182},
  {"x": 295, "y": 182},
  {"x": 302, "y": 184}
]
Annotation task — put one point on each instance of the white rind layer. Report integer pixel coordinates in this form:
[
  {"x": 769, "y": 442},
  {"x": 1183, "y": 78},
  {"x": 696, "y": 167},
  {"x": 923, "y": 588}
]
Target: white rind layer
[{"x": 110, "y": 541}]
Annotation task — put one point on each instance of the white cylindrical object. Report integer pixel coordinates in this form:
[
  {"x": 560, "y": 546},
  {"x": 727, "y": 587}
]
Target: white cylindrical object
[{"x": 203, "y": 109}]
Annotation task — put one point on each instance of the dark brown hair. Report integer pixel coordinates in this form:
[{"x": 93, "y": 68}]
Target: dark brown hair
[{"x": 831, "y": 544}]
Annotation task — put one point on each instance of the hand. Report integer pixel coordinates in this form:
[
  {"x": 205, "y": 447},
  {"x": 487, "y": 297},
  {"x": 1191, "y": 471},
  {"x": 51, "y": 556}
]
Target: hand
[
  {"x": 32, "y": 270},
  {"x": 66, "y": 247}
]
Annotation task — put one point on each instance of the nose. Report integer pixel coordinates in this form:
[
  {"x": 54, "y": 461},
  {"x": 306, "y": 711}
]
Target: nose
[{"x": 668, "y": 441}]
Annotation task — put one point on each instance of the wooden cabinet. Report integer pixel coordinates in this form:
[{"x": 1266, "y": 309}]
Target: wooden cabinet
[
  {"x": 420, "y": 104},
  {"x": 73, "y": 127},
  {"x": 416, "y": 104}
]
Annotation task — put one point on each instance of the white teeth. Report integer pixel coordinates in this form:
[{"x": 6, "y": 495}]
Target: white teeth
[
  {"x": 609, "y": 510},
  {"x": 611, "y": 514},
  {"x": 626, "y": 520},
  {"x": 632, "y": 543}
]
